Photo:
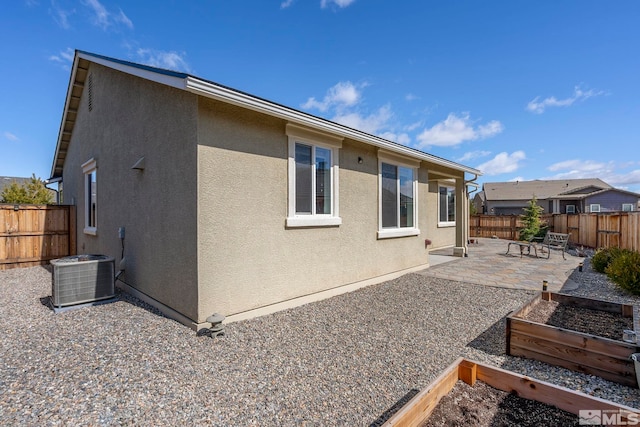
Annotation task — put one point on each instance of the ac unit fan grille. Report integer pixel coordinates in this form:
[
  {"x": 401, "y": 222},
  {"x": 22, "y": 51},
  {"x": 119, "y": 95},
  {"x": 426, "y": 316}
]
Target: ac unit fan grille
[{"x": 81, "y": 279}]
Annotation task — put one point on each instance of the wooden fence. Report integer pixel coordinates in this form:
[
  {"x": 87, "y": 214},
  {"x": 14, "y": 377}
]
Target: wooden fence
[
  {"x": 594, "y": 230},
  {"x": 34, "y": 234}
]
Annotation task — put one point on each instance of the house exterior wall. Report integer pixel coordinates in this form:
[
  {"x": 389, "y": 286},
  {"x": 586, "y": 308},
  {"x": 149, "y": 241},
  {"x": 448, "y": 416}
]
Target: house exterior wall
[
  {"x": 441, "y": 236},
  {"x": 611, "y": 201},
  {"x": 247, "y": 257},
  {"x": 131, "y": 118},
  {"x": 579, "y": 205},
  {"x": 512, "y": 207}
]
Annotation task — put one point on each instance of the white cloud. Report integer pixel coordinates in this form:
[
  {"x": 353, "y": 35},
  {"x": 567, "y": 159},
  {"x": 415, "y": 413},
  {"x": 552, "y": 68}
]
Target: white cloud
[
  {"x": 123, "y": 19},
  {"x": 339, "y": 3},
  {"x": 64, "y": 56},
  {"x": 609, "y": 172},
  {"x": 413, "y": 126},
  {"x": 11, "y": 137},
  {"x": 578, "y": 166},
  {"x": 455, "y": 130},
  {"x": 169, "y": 60},
  {"x": 104, "y": 19},
  {"x": 373, "y": 123},
  {"x": 60, "y": 15},
  {"x": 343, "y": 94},
  {"x": 473, "y": 155},
  {"x": 411, "y": 97},
  {"x": 285, "y": 4},
  {"x": 538, "y": 107},
  {"x": 400, "y": 138},
  {"x": 503, "y": 163},
  {"x": 100, "y": 14}
]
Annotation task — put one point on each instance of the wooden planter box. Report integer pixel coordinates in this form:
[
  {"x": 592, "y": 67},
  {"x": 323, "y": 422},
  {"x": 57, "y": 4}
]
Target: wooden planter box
[
  {"x": 604, "y": 357},
  {"x": 418, "y": 409}
]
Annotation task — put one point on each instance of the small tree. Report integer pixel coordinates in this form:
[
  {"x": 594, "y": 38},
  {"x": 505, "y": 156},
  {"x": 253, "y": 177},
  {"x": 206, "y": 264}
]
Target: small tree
[
  {"x": 32, "y": 192},
  {"x": 533, "y": 224}
]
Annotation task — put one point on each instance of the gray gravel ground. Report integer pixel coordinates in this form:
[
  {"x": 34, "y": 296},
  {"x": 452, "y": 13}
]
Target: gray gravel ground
[{"x": 348, "y": 360}]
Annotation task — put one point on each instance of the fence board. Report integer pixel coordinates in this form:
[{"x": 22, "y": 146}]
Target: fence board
[
  {"x": 34, "y": 234},
  {"x": 594, "y": 230}
]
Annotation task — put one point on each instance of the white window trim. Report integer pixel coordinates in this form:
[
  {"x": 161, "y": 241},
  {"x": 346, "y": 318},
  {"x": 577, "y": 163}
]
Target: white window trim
[
  {"x": 397, "y": 160},
  {"x": 594, "y": 205},
  {"x": 452, "y": 186},
  {"x": 88, "y": 167},
  {"x": 298, "y": 134},
  {"x": 573, "y": 209},
  {"x": 630, "y": 205}
]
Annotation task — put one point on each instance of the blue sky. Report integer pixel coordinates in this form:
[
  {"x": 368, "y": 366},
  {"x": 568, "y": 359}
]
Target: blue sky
[{"x": 520, "y": 90}]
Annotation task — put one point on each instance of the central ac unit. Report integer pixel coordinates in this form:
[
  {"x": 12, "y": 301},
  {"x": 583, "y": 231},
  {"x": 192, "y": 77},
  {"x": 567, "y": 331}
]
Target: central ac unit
[{"x": 81, "y": 279}]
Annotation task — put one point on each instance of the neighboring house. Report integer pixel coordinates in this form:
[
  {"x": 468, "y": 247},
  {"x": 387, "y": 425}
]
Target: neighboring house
[
  {"x": 237, "y": 205},
  {"x": 6, "y": 181},
  {"x": 554, "y": 196}
]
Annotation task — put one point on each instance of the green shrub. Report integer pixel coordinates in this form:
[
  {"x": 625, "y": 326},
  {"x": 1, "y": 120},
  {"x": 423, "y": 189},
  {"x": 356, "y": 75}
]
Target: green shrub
[
  {"x": 624, "y": 271},
  {"x": 603, "y": 257}
]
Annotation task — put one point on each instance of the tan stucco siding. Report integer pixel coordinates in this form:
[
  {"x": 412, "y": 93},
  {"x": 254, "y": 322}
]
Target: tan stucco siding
[
  {"x": 247, "y": 257},
  {"x": 131, "y": 118},
  {"x": 440, "y": 236}
]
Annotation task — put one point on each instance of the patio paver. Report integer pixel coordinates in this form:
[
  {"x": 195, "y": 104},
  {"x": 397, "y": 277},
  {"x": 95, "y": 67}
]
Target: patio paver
[{"x": 488, "y": 264}]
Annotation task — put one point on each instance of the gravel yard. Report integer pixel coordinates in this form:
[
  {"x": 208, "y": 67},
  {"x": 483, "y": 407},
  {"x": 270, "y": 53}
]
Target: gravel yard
[{"x": 348, "y": 360}]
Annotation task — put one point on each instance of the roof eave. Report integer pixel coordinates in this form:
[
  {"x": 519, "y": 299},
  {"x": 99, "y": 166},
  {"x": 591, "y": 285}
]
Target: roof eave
[
  {"x": 65, "y": 111},
  {"x": 221, "y": 93},
  {"x": 211, "y": 90}
]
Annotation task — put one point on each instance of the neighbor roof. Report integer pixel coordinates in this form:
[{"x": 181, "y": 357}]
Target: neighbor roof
[
  {"x": 219, "y": 92},
  {"x": 541, "y": 189},
  {"x": 6, "y": 181}
]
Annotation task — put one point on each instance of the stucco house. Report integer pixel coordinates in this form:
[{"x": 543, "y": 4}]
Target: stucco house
[
  {"x": 569, "y": 196},
  {"x": 236, "y": 205}
]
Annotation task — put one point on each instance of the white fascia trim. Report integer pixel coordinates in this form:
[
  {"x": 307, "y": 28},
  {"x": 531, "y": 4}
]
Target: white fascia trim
[
  {"x": 397, "y": 232},
  {"x": 210, "y": 90},
  {"x": 313, "y": 221}
]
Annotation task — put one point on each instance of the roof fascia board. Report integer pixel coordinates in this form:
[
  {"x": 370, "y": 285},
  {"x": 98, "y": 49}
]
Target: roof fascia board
[
  {"x": 210, "y": 90},
  {"x": 166, "y": 79},
  {"x": 72, "y": 79}
]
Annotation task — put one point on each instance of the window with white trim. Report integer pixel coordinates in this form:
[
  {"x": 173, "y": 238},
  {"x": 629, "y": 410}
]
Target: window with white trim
[
  {"x": 627, "y": 207},
  {"x": 90, "y": 172},
  {"x": 313, "y": 178},
  {"x": 398, "y": 195},
  {"x": 446, "y": 206},
  {"x": 594, "y": 207},
  {"x": 570, "y": 209}
]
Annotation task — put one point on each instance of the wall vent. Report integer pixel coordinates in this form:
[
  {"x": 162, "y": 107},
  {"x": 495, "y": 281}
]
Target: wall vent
[
  {"x": 81, "y": 279},
  {"x": 90, "y": 90}
]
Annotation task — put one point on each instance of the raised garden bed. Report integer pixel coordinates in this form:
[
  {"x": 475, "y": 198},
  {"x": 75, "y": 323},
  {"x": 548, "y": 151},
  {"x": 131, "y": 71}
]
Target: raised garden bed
[
  {"x": 540, "y": 396},
  {"x": 580, "y": 334}
]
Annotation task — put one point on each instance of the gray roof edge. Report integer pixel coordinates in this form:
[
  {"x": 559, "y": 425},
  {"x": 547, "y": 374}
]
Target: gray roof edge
[{"x": 229, "y": 95}]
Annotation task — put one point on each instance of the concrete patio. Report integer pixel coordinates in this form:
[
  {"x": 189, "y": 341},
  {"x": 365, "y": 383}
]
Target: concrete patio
[{"x": 489, "y": 264}]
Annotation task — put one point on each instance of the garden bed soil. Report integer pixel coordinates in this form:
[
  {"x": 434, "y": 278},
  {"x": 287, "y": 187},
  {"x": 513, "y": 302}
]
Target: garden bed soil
[
  {"x": 580, "y": 334},
  {"x": 589, "y": 321},
  {"x": 468, "y": 393},
  {"x": 482, "y": 405}
]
